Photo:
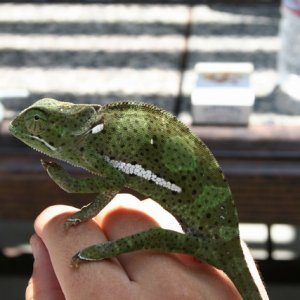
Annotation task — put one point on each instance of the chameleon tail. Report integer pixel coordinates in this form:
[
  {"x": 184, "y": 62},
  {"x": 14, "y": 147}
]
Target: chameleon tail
[{"x": 240, "y": 268}]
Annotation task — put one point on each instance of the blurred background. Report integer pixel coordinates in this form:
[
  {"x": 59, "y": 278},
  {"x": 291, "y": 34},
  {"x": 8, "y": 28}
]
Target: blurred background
[{"x": 105, "y": 51}]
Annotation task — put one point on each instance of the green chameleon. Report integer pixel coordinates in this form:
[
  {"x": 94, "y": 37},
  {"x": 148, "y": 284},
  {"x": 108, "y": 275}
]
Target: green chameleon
[{"x": 144, "y": 148}]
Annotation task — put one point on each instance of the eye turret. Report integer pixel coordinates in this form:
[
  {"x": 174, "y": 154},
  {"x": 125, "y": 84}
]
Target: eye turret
[{"x": 35, "y": 121}]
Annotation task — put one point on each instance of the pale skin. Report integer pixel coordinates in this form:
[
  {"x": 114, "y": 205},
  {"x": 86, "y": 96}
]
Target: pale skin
[{"x": 136, "y": 275}]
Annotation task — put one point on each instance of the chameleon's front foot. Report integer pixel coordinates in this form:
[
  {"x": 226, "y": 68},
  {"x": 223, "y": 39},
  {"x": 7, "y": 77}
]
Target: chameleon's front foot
[
  {"x": 86, "y": 213},
  {"x": 48, "y": 164},
  {"x": 59, "y": 175}
]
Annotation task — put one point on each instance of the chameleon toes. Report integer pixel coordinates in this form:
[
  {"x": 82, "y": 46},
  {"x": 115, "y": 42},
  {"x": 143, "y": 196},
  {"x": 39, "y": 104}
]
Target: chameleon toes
[
  {"x": 71, "y": 222},
  {"x": 45, "y": 163},
  {"x": 76, "y": 261},
  {"x": 49, "y": 164}
]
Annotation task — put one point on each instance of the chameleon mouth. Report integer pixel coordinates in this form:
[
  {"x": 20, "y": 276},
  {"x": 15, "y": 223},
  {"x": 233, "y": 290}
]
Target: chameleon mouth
[
  {"x": 12, "y": 128},
  {"x": 50, "y": 147}
]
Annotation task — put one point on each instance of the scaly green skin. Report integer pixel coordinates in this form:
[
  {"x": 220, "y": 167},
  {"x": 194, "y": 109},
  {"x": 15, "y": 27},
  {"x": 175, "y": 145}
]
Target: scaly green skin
[{"x": 141, "y": 147}]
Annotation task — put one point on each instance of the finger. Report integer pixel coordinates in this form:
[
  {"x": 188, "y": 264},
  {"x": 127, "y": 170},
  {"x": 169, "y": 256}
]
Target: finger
[
  {"x": 151, "y": 269},
  {"x": 85, "y": 282},
  {"x": 43, "y": 283},
  {"x": 121, "y": 220},
  {"x": 157, "y": 214}
]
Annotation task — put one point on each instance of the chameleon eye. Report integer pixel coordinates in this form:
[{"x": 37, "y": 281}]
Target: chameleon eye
[{"x": 35, "y": 121}]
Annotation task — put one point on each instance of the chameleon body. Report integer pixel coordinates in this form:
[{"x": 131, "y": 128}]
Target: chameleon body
[{"x": 144, "y": 148}]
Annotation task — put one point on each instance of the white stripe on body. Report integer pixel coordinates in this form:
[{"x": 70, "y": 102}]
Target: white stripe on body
[{"x": 138, "y": 170}]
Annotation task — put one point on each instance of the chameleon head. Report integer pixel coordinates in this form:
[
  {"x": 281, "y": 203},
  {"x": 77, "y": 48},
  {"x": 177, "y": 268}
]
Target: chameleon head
[{"x": 49, "y": 124}]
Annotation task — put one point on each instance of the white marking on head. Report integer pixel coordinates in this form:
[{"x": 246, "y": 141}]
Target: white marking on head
[
  {"x": 97, "y": 128},
  {"x": 151, "y": 141},
  {"x": 44, "y": 142},
  {"x": 138, "y": 170}
]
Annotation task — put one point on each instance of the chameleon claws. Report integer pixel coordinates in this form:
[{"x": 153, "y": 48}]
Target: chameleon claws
[
  {"x": 45, "y": 164},
  {"x": 71, "y": 222},
  {"x": 76, "y": 261}
]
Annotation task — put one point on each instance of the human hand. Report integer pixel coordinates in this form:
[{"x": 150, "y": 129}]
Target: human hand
[{"x": 136, "y": 275}]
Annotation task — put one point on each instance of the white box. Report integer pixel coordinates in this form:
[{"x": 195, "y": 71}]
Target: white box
[{"x": 223, "y": 94}]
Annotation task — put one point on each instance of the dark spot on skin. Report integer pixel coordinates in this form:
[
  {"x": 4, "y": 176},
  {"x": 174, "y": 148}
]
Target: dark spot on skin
[
  {"x": 194, "y": 178},
  {"x": 208, "y": 215},
  {"x": 183, "y": 177}
]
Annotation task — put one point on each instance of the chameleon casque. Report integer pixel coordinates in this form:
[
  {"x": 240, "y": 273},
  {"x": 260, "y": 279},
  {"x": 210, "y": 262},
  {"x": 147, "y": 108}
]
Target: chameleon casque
[{"x": 144, "y": 148}]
